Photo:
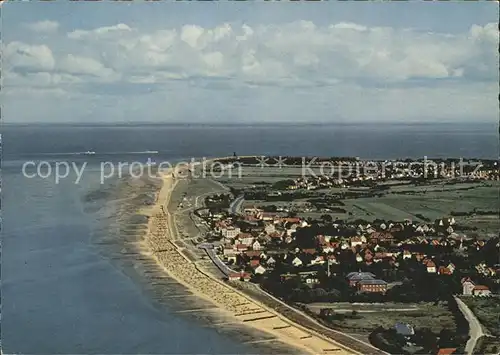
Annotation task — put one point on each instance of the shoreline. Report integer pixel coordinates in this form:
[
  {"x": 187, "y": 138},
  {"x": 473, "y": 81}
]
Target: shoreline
[{"x": 236, "y": 306}]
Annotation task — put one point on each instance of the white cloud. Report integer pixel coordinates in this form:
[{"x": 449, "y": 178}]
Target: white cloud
[
  {"x": 45, "y": 26},
  {"x": 77, "y": 65},
  {"x": 265, "y": 72},
  {"x": 107, "y": 32},
  {"x": 26, "y": 57},
  {"x": 298, "y": 50}
]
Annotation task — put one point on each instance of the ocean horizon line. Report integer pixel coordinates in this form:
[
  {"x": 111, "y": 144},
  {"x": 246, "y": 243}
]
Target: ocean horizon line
[{"x": 248, "y": 124}]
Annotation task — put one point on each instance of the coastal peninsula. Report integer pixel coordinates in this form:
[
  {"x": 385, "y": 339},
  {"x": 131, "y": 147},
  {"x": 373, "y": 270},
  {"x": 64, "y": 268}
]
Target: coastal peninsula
[{"x": 299, "y": 238}]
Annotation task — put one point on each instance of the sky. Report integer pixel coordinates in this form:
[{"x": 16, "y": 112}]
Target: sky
[{"x": 249, "y": 62}]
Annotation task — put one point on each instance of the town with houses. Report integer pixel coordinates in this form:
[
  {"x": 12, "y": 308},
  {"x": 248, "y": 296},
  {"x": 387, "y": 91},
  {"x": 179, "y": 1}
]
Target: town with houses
[
  {"x": 255, "y": 243},
  {"x": 303, "y": 259}
]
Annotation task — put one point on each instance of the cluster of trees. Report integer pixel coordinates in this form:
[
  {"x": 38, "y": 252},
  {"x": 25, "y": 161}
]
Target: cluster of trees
[
  {"x": 283, "y": 184},
  {"x": 218, "y": 201},
  {"x": 474, "y": 212},
  {"x": 330, "y": 315},
  {"x": 264, "y": 195},
  {"x": 334, "y": 205}
]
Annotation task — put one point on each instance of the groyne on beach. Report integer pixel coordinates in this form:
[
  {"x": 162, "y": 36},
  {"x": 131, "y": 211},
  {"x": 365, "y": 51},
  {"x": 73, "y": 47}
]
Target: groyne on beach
[{"x": 237, "y": 307}]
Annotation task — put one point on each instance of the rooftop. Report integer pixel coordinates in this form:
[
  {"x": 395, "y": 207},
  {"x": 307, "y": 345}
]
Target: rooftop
[
  {"x": 360, "y": 275},
  {"x": 372, "y": 282}
]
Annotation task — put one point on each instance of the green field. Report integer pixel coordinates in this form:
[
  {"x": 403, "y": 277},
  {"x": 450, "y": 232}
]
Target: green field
[
  {"x": 433, "y": 204},
  {"x": 487, "y": 310},
  {"x": 400, "y": 201},
  {"x": 425, "y": 315}
]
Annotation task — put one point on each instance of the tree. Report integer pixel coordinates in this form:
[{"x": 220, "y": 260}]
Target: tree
[
  {"x": 427, "y": 339},
  {"x": 325, "y": 313},
  {"x": 327, "y": 218}
]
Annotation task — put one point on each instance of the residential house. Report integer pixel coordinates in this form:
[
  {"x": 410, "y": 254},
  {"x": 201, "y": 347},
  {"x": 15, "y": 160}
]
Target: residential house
[
  {"x": 310, "y": 251},
  {"x": 406, "y": 254},
  {"x": 253, "y": 254},
  {"x": 404, "y": 329},
  {"x": 293, "y": 220},
  {"x": 381, "y": 237},
  {"x": 311, "y": 280},
  {"x": 271, "y": 261},
  {"x": 372, "y": 285},
  {"x": 237, "y": 276},
  {"x": 288, "y": 276},
  {"x": 355, "y": 277},
  {"x": 451, "y": 267},
  {"x": 332, "y": 259},
  {"x": 276, "y": 235},
  {"x": 446, "y": 351},
  {"x": 292, "y": 229},
  {"x": 444, "y": 271},
  {"x": 355, "y": 241},
  {"x": 229, "y": 254},
  {"x": 297, "y": 262},
  {"x": 328, "y": 248},
  {"x": 319, "y": 260},
  {"x": 254, "y": 263},
  {"x": 245, "y": 238},
  {"x": 256, "y": 245},
  {"x": 270, "y": 228},
  {"x": 267, "y": 216},
  {"x": 252, "y": 211},
  {"x": 467, "y": 287},
  {"x": 259, "y": 270},
  {"x": 251, "y": 220},
  {"x": 481, "y": 290},
  {"x": 230, "y": 232},
  {"x": 240, "y": 247},
  {"x": 431, "y": 267}
]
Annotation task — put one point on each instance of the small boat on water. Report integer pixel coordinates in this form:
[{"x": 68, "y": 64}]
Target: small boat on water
[{"x": 89, "y": 152}]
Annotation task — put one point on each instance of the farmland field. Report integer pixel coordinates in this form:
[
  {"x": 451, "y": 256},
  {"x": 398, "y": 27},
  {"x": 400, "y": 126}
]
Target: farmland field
[
  {"x": 369, "y": 317},
  {"x": 487, "y": 310},
  {"x": 400, "y": 200}
]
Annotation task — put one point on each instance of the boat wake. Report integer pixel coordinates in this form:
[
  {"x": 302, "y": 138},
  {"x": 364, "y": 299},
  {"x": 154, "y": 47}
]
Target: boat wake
[{"x": 91, "y": 152}]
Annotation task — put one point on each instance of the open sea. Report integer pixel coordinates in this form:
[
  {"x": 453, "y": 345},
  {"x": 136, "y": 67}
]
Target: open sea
[{"x": 60, "y": 295}]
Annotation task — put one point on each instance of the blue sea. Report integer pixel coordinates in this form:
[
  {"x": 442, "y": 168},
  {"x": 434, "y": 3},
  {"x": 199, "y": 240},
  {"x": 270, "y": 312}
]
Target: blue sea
[{"x": 61, "y": 295}]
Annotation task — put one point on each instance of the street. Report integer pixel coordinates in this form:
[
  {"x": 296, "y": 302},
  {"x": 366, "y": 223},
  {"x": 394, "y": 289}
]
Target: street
[{"x": 475, "y": 327}]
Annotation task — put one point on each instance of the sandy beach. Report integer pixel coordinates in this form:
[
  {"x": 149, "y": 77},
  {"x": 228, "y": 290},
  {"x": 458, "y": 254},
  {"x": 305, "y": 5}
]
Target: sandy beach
[{"x": 231, "y": 303}]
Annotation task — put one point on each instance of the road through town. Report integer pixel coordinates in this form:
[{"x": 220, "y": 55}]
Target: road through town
[{"x": 475, "y": 327}]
